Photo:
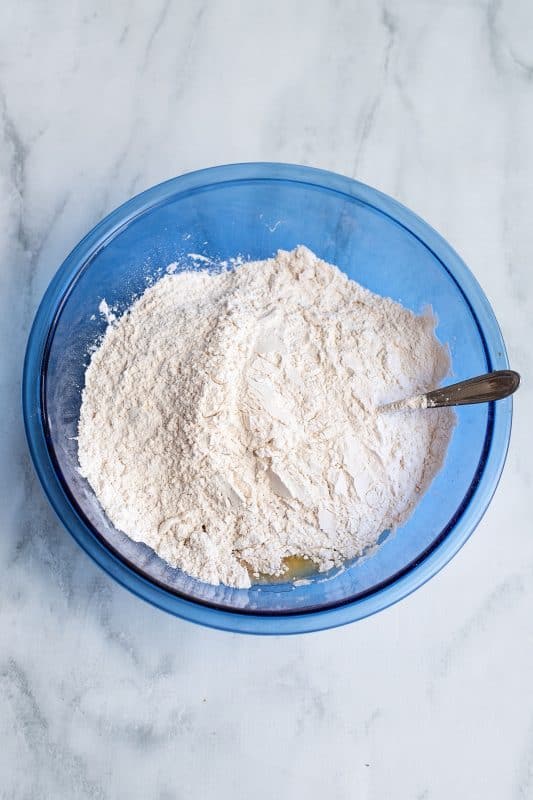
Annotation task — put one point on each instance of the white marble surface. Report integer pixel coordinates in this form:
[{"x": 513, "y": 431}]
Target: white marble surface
[{"x": 102, "y": 696}]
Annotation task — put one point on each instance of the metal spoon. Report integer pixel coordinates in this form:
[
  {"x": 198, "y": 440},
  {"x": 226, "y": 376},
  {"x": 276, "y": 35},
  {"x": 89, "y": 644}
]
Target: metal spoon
[{"x": 484, "y": 388}]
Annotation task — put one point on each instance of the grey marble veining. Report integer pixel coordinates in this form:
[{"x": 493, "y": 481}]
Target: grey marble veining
[{"x": 102, "y": 696}]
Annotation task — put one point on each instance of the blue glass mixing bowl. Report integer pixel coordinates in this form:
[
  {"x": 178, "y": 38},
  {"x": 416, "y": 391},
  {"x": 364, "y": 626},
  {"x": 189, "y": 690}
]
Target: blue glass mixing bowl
[{"x": 252, "y": 210}]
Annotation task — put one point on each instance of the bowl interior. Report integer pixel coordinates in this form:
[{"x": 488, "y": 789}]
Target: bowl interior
[{"x": 252, "y": 218}]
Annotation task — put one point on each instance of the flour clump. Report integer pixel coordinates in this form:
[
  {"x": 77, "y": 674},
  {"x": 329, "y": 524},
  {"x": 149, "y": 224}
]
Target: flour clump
[{"x": 230, "y": 420}]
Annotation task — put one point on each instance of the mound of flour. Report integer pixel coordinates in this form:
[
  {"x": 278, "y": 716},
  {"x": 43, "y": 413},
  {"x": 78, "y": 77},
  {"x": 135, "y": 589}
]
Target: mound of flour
[{"x": 230, "y": 420}]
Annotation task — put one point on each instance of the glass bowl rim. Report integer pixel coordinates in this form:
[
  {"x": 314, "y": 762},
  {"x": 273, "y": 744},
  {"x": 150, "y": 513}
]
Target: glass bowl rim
[{"x": 446, "y": 546}]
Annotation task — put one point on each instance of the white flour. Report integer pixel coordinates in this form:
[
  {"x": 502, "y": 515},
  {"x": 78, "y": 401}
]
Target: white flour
[{"x": 230, "y": 421}]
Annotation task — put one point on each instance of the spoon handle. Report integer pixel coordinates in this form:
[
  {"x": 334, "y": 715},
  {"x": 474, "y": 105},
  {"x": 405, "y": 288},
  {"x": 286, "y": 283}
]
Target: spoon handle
[{"x": 492, "y": 386}]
